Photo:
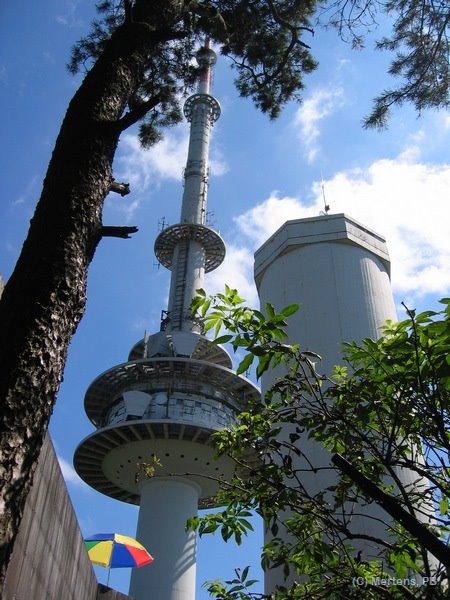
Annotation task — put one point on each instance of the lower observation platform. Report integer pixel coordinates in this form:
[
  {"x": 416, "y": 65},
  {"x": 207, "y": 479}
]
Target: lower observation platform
[
  {"x": 108, "y": 459},
  {"x": 163, "y": 407}
]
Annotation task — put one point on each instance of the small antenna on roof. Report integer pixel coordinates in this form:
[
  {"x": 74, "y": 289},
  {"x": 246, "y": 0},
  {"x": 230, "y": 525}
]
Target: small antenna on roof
[
  {"x": 146, "y": 338},
  {"x": 325, "y": 205}
]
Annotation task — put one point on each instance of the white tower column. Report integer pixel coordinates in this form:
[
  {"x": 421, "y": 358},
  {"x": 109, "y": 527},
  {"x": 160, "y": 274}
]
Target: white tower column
[
  {"x": 339, "y": 272},
  {"x": 166, "y": 504}
]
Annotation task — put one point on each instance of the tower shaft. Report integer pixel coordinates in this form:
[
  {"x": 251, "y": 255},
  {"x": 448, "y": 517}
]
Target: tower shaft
[
  {"x": 193, "y": 209},
  {"x": 166, "y": 504}
]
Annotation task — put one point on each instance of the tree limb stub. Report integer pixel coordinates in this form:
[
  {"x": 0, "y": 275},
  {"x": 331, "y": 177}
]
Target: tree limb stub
[
  {"x": 118, "y": 232},
  {"x": 119, "y": 187}
]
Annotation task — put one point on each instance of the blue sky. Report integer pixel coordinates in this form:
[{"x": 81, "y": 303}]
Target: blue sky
[{"x": 263, "y": 173}]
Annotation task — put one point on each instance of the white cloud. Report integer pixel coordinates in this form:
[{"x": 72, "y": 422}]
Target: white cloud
[
  {"x": 145, "y": 170},
  {"x": 402, "y": 199},
  {"x": 412, "y": 150},
  {"x": 217, "y": 165},
  {"x": 28, "y": 190},
  {"x": 322, "y": 103},
  {"x": 407, "y": 202},
  {"x": 69, "y": 17},
  {"x": 69, "y": 473},
  {"x": 164, "y": 161},
  {"x": 237, "y": 272},
  {"x": 258, "y": 223}
]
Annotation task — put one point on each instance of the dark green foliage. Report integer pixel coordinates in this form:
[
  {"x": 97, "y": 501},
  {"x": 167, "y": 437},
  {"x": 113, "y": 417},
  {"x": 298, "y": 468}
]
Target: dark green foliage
[
  {"x": 386, "y": 412},
  {"x": 419, "y": 40},
  {"x": 234, "y": 588},
  {"x": 262, "y": 39},
  {"x": 268, "y": 45}
]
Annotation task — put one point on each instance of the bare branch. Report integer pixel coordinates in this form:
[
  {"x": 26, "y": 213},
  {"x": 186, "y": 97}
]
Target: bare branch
[
  {"x": 138, "y": 113},
  {"x": 393, "y": 507}
]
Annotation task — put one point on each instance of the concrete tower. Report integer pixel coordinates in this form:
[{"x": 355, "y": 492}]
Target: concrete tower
[
  {"x": 339, "y": 272},
  {"x": 174, "y": 392}
]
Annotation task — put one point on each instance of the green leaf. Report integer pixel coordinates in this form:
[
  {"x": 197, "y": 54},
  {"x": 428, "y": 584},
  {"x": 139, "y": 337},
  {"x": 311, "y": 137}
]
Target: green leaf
[
  {"x": 223, "y": 339},
  {"x": 443, "y": 505},
  {"x": 263, "y": 364},
  {"x": 261, "y": 318},
  {"x": 236, "y": 588},
  {"x": 217, "y": 328},
  {"x": 245, "y": 364},
  {"x": 209, "y": 325},
  {"x": 246, "y": 524},
  {"x": 192, "y": 523},
  {"x": 205, "y": 307},
  {"x": 270, "y": 310},
  {"x": 290, "y": 310}
]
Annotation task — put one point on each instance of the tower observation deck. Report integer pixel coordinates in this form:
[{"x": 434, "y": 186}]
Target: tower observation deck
[{"x": 176, "y": 389}]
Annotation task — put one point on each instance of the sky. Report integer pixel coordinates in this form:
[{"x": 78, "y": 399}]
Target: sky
[{"x": 262, "y": 173}]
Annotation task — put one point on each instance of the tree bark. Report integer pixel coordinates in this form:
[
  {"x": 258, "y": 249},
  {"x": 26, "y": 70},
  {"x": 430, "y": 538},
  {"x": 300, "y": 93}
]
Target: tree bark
[{"x": 44, "y": 299}]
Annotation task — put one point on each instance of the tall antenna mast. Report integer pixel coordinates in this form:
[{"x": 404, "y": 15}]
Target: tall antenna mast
[{"x": 191, "y": 248}]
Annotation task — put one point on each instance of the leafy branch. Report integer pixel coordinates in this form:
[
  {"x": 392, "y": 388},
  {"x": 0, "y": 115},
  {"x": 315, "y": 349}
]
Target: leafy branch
[{"x": 386, "y": 412}]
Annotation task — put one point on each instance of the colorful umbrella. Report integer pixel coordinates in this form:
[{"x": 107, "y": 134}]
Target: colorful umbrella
[{"x": 113, "y": 550}]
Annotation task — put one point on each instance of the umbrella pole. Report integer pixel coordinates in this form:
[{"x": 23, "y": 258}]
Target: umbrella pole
[{"x": 109, "y": 572}]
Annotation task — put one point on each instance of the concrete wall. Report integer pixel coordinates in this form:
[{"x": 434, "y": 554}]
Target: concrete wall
[{"x": 49, "y": 561}]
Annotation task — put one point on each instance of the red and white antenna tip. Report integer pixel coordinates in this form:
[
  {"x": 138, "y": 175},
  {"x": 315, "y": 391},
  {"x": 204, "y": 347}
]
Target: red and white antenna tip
[{"x": 206, "y": 58}]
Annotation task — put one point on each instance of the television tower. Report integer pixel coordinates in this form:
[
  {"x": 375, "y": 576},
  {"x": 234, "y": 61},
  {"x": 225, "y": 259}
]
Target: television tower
[{"x": 175, "y": 391}]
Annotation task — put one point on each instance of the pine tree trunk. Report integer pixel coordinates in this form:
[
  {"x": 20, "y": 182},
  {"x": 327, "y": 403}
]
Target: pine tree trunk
[{"x": 44, "y": 298}]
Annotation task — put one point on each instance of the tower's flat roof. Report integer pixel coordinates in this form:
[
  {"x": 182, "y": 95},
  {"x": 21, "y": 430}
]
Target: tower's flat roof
[{"x": 315, "y": 230}]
